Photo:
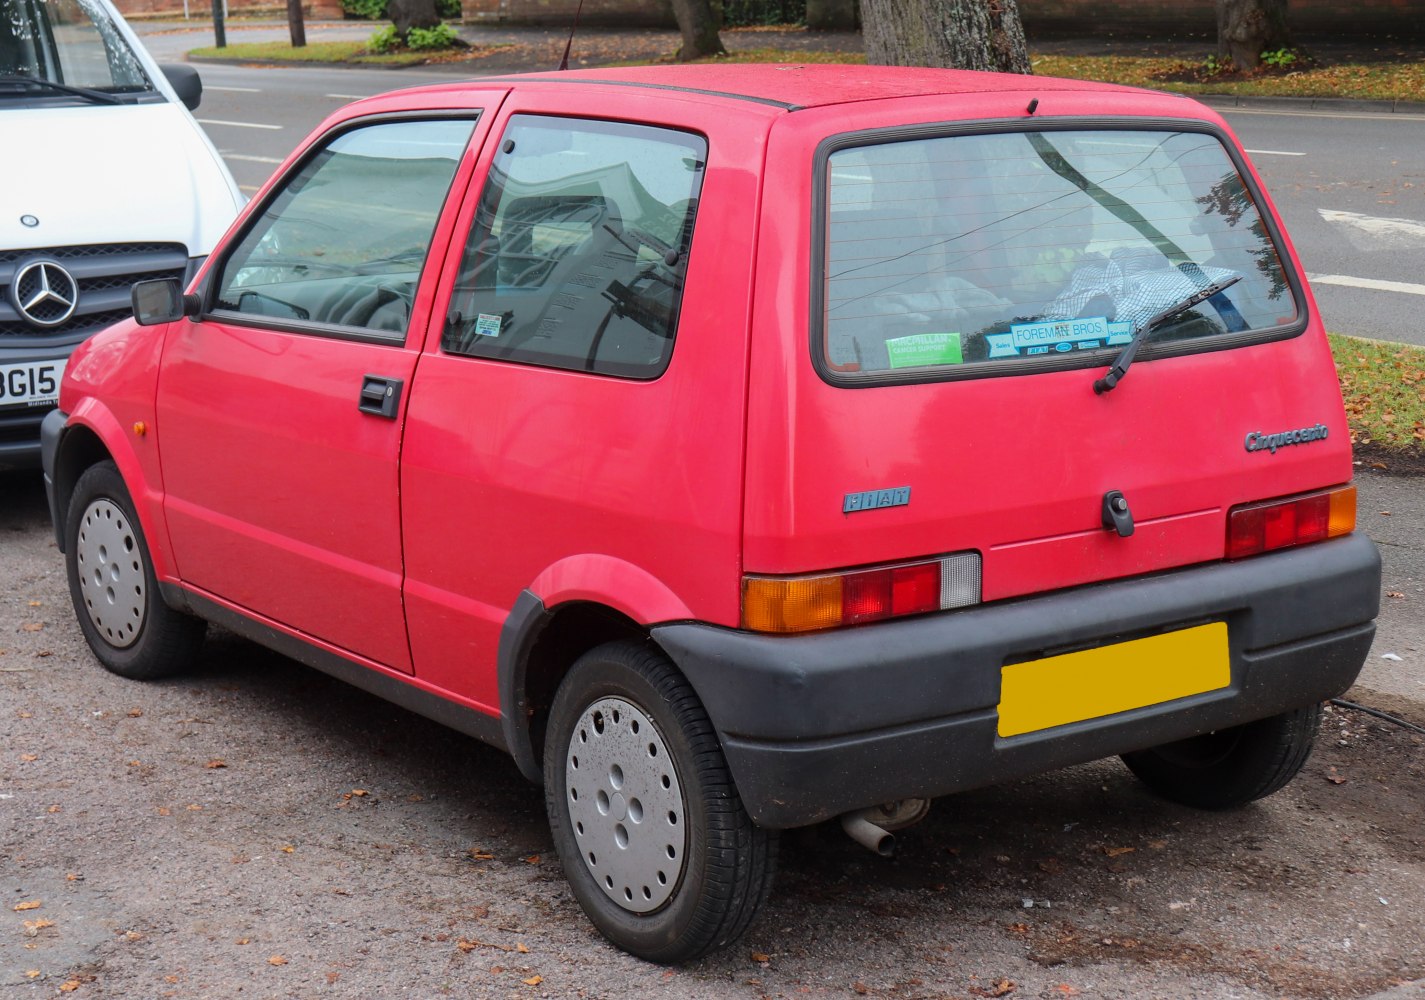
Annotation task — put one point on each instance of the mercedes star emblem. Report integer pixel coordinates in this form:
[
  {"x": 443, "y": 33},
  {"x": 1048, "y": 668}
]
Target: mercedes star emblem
[{"x": 44, "y": 293}]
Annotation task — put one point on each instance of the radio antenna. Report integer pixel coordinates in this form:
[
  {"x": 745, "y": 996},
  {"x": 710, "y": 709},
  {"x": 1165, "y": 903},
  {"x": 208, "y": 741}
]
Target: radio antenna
[{"x": 564, "y": 63}]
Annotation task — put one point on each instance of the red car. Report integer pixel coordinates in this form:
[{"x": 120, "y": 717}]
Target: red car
[{"x": 742, "y": 447}]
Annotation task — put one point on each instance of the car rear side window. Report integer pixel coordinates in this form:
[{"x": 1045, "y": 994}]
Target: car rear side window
[
  {"x": 342, "y": 244},
  {"x": 1000, "y": 253},
  {"x": 578, "y": 251}
]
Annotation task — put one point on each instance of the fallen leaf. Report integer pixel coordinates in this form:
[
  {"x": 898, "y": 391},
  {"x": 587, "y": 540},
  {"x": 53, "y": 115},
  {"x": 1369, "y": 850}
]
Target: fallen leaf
[
  {"x": 55, "y": 809},
  {"x": 861, "y": 988},
  {"x": 27, "y": 715},
  {"x": 1335, "y": 778},
  {"x": 758, "y": 956},
  {"x": 521, "y": 949},
  {"x": 1157, "y": 845},
  {"x": 69, "y": 985},
  {"x": 276, "y": 960},
  {"x": 32, "y": 973},
  {"x": 287, "y": 848},
  {"x": 1394, "y": 593},
  {"x": 215, "y": 763},
  {"x": 496, "y": 970},
  {"x": 1064, "y": 989},
  {"x": 533, "y": 859},
  {"x": 465, "y": 945},
  {"x": 359, "y": 792},
  {"x": 36, "y": 604},
  {"x": 332, "y": 977},
  {"x": 533, "y": 980},
  {"x": 29, "y": 757},
  {"x": 32, "y": 626},
  {"x": 165, "y": 811},
  {"x": 33, "y": 904},
  {"x": 244, "y": 940},
  {"x": 135, "y": 713},
  {"x": 194, "y": 807},
  {"x": 33, "y": 927},
  {"x": 74, "y": 877},
  {"x": 480, "y": 855},
  {"x": 1114, "y": 852}
]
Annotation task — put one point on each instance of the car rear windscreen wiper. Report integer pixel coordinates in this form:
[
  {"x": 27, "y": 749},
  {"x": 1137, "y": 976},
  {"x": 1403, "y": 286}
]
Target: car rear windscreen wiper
[
  {"x": 35, "y": 83},
  {"x": 1119, "y": 368}
]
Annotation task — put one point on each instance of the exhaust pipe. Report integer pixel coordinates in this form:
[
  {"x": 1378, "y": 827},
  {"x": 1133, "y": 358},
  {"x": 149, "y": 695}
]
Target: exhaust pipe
[{"x": 868, "y": 834}]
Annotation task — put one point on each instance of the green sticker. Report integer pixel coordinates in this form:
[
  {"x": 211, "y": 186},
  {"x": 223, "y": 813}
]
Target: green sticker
[{"x": 925, "y": 349}]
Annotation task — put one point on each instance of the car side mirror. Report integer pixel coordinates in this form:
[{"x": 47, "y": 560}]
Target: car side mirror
[
  {"x": 186, "y": 83},
  {"x": 162, "y": 301}
]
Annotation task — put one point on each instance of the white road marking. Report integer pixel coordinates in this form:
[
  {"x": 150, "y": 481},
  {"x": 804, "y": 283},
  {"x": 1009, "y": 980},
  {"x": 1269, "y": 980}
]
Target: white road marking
[
  {"x": 1369, "y": 232},
  {"x": 244, "y": 157},
  {"x": 1374, "y": 284},
  {"x": 215, "y": 121},
  {"x": 347, "y": 97},
  {"x": 1273, "y": 152},
  {"x": 233, "y": 90},
  {"x": 1323, "y": 114}
]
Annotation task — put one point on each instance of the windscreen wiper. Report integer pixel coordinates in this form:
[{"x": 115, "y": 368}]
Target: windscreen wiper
[
  {"x": 1119, "y": 368},
  {"x": 35, "y": 83}
]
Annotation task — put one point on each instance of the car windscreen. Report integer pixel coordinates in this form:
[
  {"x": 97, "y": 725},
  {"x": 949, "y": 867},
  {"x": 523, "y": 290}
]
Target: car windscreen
[
  {"x": 70, "y": 43},
  {"x": 1013, "y": 252}
]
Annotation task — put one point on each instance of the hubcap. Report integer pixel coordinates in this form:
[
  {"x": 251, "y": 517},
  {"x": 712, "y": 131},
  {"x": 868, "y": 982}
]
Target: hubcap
[
  {"x": 111, "y": 573},
  {"x": 626, "y": 805}
]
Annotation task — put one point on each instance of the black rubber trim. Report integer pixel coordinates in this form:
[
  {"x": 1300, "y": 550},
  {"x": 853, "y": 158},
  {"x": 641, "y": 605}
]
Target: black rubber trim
[
  {"x": 586, "y": 82},
  {"x": 51, "y": 432},
  {"x": 521, "y": 631},
  {"x": 486, "y": 728}
]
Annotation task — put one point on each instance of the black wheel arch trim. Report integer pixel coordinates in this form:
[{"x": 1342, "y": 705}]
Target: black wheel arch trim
[{"x": 522, "y": 629}]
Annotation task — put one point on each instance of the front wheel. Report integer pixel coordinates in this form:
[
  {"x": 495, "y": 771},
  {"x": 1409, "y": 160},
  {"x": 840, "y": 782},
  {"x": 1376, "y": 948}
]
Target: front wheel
[
  {"x": 1230, "y": 767},
  {"x": 655, "y": 842},
  {"x": 131, "y": 631}
]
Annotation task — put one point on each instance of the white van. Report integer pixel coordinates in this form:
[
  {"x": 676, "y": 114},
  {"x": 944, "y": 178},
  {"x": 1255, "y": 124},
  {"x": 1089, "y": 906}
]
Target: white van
[{"x": 105, "y": 179}]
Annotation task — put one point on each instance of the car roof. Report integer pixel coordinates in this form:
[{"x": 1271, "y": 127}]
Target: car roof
[{"x": 797, "y": 86}]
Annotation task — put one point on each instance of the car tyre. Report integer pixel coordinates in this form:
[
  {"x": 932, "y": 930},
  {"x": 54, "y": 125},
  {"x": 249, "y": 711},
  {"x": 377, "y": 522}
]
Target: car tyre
[
  {"x": 1230, "y": 767},
  {"x": 656, "y": 844},
  {"x": 121, "y": 611}
]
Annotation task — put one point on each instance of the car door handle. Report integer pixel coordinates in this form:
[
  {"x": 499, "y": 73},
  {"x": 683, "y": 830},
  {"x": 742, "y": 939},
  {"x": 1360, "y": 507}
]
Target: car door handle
[{"x": 380, "y": 396}]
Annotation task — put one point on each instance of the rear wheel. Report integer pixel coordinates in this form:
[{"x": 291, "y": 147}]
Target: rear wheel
[
  {"x": 132, "y": 632},
  {"x": 656, "y": 844},
  {"x": 1230, "y": 767}
]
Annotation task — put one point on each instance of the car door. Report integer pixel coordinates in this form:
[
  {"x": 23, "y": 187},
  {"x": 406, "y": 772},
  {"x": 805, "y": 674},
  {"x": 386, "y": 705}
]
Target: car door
[{"x": 280, "y": 409}]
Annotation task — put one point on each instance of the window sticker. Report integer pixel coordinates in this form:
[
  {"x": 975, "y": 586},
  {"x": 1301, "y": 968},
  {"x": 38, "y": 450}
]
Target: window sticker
[
  {"x": 1060, "y": 336},
  {"x": 487, "y": 325},
  {"x": 925, "y": 349}
]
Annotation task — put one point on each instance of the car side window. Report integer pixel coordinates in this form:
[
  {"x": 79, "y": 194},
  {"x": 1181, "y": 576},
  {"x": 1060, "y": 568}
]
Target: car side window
[
  {"x": 578, "y": 251},
  {"x": 344, "y": 241}
]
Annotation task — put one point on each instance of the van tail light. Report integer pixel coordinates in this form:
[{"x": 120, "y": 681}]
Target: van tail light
[
  {"x": 1279, "y": 524},
  {"x": 785, "y": 604}
]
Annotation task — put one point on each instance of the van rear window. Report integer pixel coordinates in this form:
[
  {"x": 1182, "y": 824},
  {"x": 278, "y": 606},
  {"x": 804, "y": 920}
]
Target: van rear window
[{"x": 992, "y": 254}]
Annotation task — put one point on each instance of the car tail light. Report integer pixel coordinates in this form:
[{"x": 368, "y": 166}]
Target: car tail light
[
  {"x": 1279, "y": 524},
  {"x": 853, "y": 597}
]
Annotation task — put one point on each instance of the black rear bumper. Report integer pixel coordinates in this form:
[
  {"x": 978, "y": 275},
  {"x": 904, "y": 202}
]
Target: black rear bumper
[{"x": 814, "y": 726}]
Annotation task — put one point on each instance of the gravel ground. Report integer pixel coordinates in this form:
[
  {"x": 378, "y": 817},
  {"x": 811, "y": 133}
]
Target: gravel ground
[{"x": 259, "y": 830}]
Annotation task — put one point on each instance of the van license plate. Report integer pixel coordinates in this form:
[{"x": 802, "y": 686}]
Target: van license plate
[
  {"x": 31, "y": 383},
  {"x": 1092, "y": 683}
]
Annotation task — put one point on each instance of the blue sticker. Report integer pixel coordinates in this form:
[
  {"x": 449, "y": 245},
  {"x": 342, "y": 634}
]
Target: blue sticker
[
  {"x": 487, "y": 325},
  {"x": 1058, "y": 335}
]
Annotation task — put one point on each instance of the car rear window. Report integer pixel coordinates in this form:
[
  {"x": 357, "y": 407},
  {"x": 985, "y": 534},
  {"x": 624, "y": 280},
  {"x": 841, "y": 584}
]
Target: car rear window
[{"x": 1014, "y": 252}]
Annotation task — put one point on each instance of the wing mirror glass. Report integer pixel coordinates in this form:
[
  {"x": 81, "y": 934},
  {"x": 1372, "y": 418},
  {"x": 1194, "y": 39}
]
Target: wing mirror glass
[{"x": 162, "y": 301}]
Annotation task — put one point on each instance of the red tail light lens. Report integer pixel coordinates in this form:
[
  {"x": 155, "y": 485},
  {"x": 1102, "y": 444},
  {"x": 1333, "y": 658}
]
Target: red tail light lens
[
  {"x": 805, "y": 603},
  {"x": 1280, "y": 524}
]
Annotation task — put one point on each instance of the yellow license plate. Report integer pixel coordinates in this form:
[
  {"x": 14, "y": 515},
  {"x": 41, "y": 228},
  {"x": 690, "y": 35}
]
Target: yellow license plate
[{"x": 1093, "y": 683}]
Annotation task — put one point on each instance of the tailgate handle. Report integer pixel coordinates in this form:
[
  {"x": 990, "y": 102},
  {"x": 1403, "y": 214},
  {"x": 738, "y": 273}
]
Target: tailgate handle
[
  {"x": 380, "y": 396},
  {"x": 1116, "y": 514}
]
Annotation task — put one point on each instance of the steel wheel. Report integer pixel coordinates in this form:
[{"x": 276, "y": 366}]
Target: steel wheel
[
  {"x": 111, "y": 573},
  {"x": 121, "y": 612},
  {"x": 656, "y": 844}
]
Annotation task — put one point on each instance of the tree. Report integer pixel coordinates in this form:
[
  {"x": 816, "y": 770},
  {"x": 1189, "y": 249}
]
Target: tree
[
  {"x": 957, "y": 34},
  {"x": 1247, "y": 28},
  {"x": 699, "y": 26},
  {"x": 296, "y": 26},
  {"x": 408, "y": 14}
]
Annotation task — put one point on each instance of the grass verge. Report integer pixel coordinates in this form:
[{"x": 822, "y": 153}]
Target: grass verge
[
  {"x": 336, "y": 53},
  {"x": 1384, "y": 388}
]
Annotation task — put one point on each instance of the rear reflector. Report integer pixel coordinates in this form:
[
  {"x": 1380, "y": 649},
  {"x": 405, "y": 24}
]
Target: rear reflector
[
  {"x": 1280, "y": 524},
  {"x": 807, "y": 603}
]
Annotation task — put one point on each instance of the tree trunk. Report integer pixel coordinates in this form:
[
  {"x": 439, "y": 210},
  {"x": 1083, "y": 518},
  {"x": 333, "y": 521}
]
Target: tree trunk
[
  {"x": 1247, "y": 28},
  {"x": 408, "y": 14},
  {"x": 955, "y": 34},
  {"x": 831, "y": 15},
  {"x": 700, "y": 29},
  {"x": 296, "y": 26}
]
